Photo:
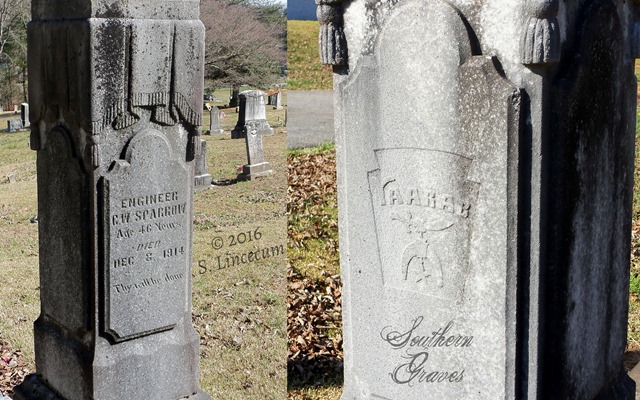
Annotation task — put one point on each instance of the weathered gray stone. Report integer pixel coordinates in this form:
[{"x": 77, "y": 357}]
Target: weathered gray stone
[
  {"x": 14, "y": 125},
  {"x": 484, "y": 237},
  {"x": 275, "y": 100},
  {"x": 256, "y": 165},
  {"x": 116, "y": 96},
  {"x": 333, "y": 46},
  {"x": 252, "y": 115},
  {"x": 24, "y": 115},
  {"x": 214, "y": 124},
  {"x": 202, "y": 179}
]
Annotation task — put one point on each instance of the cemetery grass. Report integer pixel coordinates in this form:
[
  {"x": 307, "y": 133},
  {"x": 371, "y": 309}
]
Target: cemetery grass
[
  {"x": 305, "y": 70},
  {"x": 314, "y": 289},
  {"x": 633, "y": 337},
  {"x": 237, "y": 310}
]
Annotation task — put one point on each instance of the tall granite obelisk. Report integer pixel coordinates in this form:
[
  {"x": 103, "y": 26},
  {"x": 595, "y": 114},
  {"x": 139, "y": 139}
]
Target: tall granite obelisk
[
  {"x": 116, "y": 110},
  {"x": 485, "y": 162}
]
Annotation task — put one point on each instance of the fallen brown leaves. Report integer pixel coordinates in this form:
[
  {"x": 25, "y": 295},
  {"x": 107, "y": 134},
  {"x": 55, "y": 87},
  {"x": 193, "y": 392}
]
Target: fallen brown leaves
[
  {"x": 314, "y": 303},
  {"x": 315, "y": 330},
  {"x": 312, "y": 180},
  {"x": 13, "y": 368}
]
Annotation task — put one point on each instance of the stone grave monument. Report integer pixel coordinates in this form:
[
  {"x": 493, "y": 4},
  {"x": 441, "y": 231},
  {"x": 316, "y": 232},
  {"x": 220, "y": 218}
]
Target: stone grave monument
[
  {"x": 252, "y": 115},
  {"x": 214, "y": 124},
  {"x": 24, "y": 115},
  {"x": 14, "y": 125},
  {"x": 256, "y": 165},
  {"x": 116, "y": 100},
  {"x": 485, "y": 161},
  {"x": 202, "y": 179},
  {"x": 275, "y": 100}
]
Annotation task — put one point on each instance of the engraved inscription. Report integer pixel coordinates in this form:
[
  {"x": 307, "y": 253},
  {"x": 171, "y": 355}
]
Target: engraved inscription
[
  {"x": 429, "y": 207},
  {"x": 146, "y": 215},
  {"x": 394, "y": 195},
  {"x": 418, "y": 346},
  {"x": 147, "y": 239},
  {"x": 426, "y": 261}
]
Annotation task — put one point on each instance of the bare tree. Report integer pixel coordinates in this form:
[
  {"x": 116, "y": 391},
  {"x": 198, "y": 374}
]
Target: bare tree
[
  {"x": 241, "y": 46},
  {"x": 14, "y": 17}
]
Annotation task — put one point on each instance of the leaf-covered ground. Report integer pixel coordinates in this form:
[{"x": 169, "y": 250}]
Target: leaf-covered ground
[
  {"x": 13, "y": 368},
  {"x": 315, "y": 289}
]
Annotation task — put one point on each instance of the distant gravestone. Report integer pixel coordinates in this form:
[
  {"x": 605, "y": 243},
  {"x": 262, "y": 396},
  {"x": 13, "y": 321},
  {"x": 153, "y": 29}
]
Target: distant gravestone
[
  {"x": 276, "y": 100},
  {"x": 118, "y": 131},
  {"x": 14, "y": 125},
  {"x": 214, "y": 124},
  {"x": 256, "y": 166},
  {"x": 485, "y": 197},
  {"x": 202, "y": 179},
  {"x": 253, "y": 114},
  {"x": 24, "y": 115}
]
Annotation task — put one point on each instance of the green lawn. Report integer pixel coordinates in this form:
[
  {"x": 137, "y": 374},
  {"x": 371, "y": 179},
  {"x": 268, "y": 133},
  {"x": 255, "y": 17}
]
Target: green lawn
[
  {"x": 305, "y": 70},
  {"x": 238, "y": 311}
]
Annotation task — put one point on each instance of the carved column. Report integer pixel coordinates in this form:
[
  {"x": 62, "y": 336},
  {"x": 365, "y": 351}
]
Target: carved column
[{"x": 116, "y": 103}]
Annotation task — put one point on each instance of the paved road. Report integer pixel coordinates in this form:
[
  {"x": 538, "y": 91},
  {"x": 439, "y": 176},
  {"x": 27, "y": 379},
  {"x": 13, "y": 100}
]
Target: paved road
[{"x": 309, "y": 118}]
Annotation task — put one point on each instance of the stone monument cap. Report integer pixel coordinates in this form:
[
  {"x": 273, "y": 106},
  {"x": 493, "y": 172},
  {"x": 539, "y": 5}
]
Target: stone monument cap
[{"x": 135, "y": 9}]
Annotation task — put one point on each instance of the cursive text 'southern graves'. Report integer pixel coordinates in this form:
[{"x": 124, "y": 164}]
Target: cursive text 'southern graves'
[
  {"x": 484, "y": 237},
  {"x": 116, "y": 100}
]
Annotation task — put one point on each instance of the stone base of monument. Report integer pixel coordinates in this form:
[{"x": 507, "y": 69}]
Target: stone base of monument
[
  {"x": 202, "y": 182},
  {"x": 261, "y": 127},
  {"x": 251, "y": 172},
  {"x": 622, "y": 388},
  {"x": 32, "y": 388},
  {"x": 238, "y": 133}
]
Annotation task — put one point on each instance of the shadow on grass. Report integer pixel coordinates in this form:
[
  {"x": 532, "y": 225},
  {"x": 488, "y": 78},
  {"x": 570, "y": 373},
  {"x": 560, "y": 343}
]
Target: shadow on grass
[
  {"x": 224, "y": 182},
  {"x": 314, "y": 372}
]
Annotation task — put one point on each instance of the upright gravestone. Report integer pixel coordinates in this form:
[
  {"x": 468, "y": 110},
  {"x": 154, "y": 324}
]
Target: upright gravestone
[
  {"x": 275, "y": 99},
  {"x": 24, "y": 115},
  {"x": 252, "y": 115},
  {"x": 202, "y": 179},
  {"x": 116, "y": 99},
  {"x": 14, "y": 125},
  {"x": 485, "y": 190},
  {"x": 256, "y": 165},
  {"x": 214, "y": 124}
]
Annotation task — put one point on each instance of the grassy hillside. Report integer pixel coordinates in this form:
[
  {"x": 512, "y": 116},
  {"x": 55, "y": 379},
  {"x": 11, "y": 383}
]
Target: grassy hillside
[{"x": 305, "y": 70}]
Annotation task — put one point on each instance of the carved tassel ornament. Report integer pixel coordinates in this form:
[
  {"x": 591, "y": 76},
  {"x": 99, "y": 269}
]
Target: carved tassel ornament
[
  {"x": 333, "y": 45},
  {"x": 541, "y": 39}
]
